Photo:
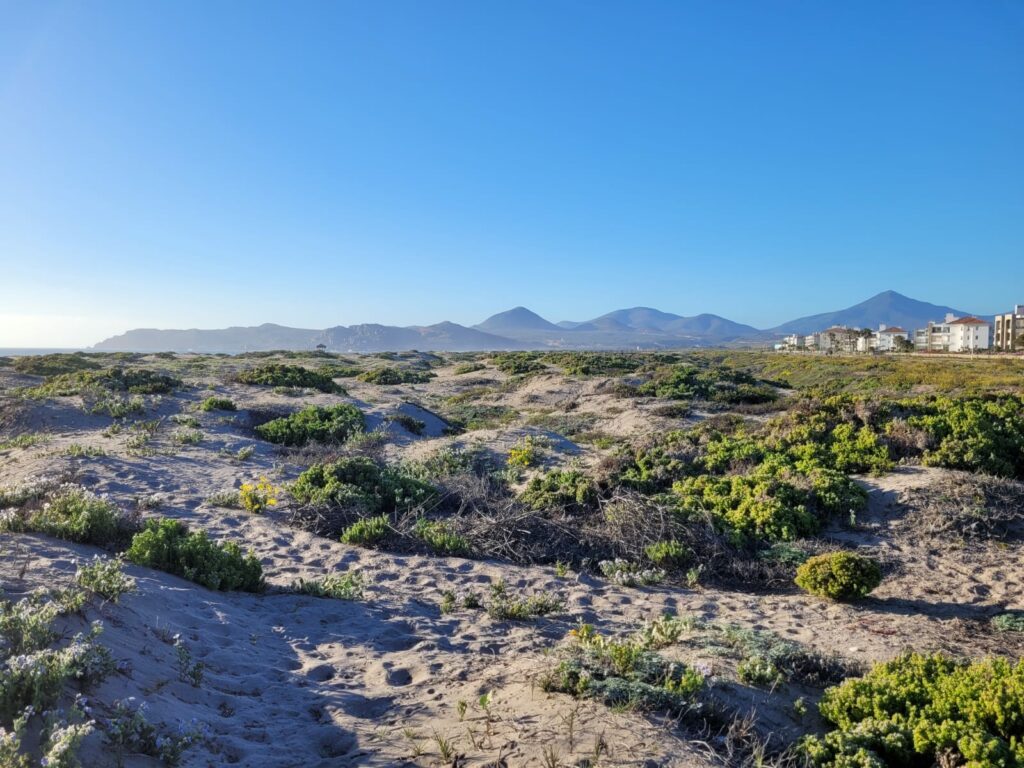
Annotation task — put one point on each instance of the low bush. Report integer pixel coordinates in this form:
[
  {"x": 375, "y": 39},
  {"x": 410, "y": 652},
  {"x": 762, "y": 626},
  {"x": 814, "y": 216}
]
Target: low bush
[
  {"x": 168, "y": 545},
  {"x": 218, "y": 404},
  {"x": 625, "y": 673},
  {"x": 281, "y": 375},
  {"x": 669, "y": 554},
  {"x": 105, "y": 577},
  {"x": 505, "y": 607},
  {"x": 518, "y": 363},
  {"x": 439, "y": 536},
  {"x": 975, "y": 434},
  {"x": 627, "y": 574},
  {"x": 718, "y": 385},
  {"x": 1011, "y": 621},
  {"x": 367, "y": 532},
  {"x": 362, "y": 484},
  {"x": 560, "y": 489},
  {"x": 463, "y": 368},
  {"x": 54, "y": 364},
  {"x": 340, "y": 586},
  {"x": 924, "y": 710},
  {"x": 390, "y": 376},
  {"x": 73, "y": 513},
  {"x": 257, "y": 497},
  {"x": 839, "y": 575},
  {"x": 321, "y": 424},
  {"x": 136, "y": 381},
  {"x": 526, "y": 453}
]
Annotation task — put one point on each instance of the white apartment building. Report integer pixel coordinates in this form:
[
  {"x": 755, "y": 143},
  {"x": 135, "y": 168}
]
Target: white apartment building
[
  {"x": 954, "y": 334},
  {"x": 1009, "y": 330},
  {"x": 889, "y": 339}
]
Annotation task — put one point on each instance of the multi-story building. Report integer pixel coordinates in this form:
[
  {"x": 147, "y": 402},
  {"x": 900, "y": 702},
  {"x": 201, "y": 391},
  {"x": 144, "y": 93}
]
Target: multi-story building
[
  {"x": 954, "y": 334},
  {"x": 1009, "y": 335},
  {"x": 890, "y": 339}
]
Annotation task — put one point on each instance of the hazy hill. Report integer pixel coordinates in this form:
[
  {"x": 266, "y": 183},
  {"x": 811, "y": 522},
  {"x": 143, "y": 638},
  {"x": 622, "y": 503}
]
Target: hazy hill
[
  {"x": 887, "y": 307},
  {"x": 521, "y": 328},
  {"x": 371, "y": 337},
  {"x": 234, "y": 339}
]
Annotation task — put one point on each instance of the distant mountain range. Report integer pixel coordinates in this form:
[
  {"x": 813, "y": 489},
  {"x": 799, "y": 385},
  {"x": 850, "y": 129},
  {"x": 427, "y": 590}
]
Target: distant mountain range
[{"x": 520, "y": 328}]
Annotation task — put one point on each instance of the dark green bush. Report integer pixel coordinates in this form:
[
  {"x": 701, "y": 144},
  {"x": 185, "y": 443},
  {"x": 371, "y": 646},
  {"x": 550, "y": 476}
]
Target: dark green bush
[
  {"x": 669, "y": 554},
  {"x": 321, "y": 424},
  {"x": 362, "y": 484},
  {"x": 137, "y": 381},
  {"x": 54, "y": 364},
  {"x": 839, "y": 575},
  {"x": 280, "y": 375},
  {"x": 167, "y": 545},
  {"x": 391, "y": 376},
  {"x": 518, "y": 363},
  {"x": 919, "y": 710},
  {"x": 719, "y": 385},
  {"x": 367, "y": 532},
  {"x": 218, "y": 404},
  {"x": 439, "y": 536},
  {"x": 560, "y": 489}
]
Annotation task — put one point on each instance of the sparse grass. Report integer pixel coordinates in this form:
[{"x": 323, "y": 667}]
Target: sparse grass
[{"x": 24, "y": 440}]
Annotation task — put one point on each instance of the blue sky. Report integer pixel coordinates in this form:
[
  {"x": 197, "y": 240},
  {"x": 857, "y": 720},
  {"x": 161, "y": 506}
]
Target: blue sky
[{"x": 203, "y": 164}]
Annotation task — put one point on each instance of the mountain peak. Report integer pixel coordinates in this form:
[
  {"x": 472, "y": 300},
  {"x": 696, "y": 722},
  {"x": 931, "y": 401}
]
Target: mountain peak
[{"x": 516, "y": 319}]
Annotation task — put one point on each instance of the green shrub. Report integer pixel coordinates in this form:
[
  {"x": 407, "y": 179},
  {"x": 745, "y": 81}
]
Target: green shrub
[
  {"x": 463, "y": 368},
  {"x": 503, "y": 606},
  {"x": 839, "y": 575},
  {"x": 322, "y": 424},
  {"x": 136, "y": 381},
  {"x": 340, "y": 371},
  {"x": 518, "y": 363},
  {"x": 340, "y": 586},
  {"x": 1011, "y": 621},
  {"x": 105, "y": 577},
  {"x": 360, "y": 483},
  {"x": 669, "y": 554},
  {"x": 625, "y": 673},
  {"x": 976, "y": 434},
  {"x": 758, "y": 671},
  {"x": 167, "y": 545},
  {"x": 925, "y": 710},
  {"x": 560, "y": 489},
  {"x": 391, "y": 376},
  {"x": 54, "y": 364},
  {"x": 218, "y": 404},
  {"x": 439, "y": 536},
  {"x": 627, "y": 574},
  {"x": 525, "y": 453},
  {"x": 281, "y": 375},
  {"x": 71, "y": 513},
  {"x": 719, "y": 385},
  {"x": 368, "y": 532}
]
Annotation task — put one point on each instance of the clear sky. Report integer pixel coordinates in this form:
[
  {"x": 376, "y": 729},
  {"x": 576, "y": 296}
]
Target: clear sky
[{"x": 214, "y": 163}]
